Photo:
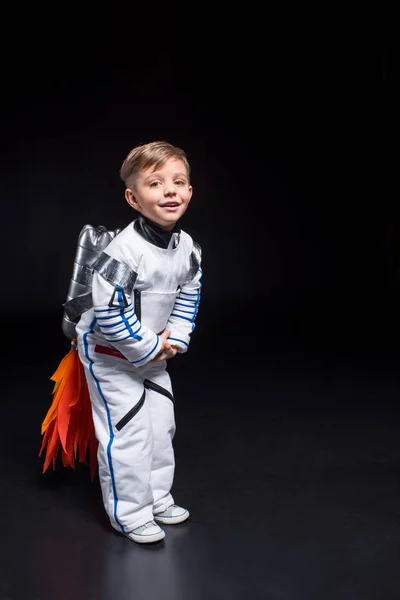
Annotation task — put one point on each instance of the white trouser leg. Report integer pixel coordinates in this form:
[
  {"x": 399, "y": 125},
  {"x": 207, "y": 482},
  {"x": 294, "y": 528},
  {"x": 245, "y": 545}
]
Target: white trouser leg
[
  {"x": 159, "y": 400},
  {"x": 124, "y": 431}
]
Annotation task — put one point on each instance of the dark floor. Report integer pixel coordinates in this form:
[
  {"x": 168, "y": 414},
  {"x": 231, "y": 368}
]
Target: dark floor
[{"x": 288, "y": 456}]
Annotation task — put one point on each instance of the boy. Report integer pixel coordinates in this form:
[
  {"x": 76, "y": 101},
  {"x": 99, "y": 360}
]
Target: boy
[{"x": 125, "y": 340}]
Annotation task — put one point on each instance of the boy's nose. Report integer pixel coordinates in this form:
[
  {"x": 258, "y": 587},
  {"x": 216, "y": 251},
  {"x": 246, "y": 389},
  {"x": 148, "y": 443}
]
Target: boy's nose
[{"x": 169, "y": 190}]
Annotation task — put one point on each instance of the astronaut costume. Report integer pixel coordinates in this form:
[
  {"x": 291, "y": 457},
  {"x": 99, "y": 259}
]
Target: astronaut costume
[{"x": 147, "y": 280}]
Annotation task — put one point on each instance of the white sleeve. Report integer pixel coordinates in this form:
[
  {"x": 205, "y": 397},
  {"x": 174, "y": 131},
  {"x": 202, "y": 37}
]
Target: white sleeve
[
  {"x": 181, "y": 322},
  {"x": 117, "y": 320}
]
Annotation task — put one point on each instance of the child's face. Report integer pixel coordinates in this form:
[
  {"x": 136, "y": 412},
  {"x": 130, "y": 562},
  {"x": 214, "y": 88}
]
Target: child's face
[{"x": 163, "y": 195}]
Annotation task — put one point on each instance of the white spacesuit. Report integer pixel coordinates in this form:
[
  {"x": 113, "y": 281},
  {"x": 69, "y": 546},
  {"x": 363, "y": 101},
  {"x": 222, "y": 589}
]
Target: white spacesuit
[{"x": 147, "y": 280}]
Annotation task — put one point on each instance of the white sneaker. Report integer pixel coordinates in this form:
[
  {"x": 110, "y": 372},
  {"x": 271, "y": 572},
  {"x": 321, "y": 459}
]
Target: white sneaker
[
  {"x": 172, "y": 515},
  {"x": 146, "y": 534}
]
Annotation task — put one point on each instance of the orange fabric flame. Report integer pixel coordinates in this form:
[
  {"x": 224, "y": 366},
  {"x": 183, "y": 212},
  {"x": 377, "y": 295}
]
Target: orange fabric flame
[{"x": 68, "y": 427}]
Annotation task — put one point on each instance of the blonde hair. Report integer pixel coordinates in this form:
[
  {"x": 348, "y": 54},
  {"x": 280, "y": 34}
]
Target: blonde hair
[{"x": 154, "y": 154}]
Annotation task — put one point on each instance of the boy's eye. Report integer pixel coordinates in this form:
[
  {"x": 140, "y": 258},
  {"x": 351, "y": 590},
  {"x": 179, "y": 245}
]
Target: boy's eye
[
  {"x": 154, "y": 183},
  {"x": 179, "y": 182}
]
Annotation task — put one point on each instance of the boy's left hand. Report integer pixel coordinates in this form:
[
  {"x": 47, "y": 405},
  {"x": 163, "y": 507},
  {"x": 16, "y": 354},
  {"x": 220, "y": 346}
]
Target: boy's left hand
[{"x": 167, "y": 351}]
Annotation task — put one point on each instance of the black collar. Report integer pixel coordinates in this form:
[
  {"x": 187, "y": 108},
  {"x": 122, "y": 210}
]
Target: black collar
[{"x": 153, "y": 233}]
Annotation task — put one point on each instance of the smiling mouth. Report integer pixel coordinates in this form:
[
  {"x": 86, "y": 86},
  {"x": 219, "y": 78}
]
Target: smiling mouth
[{"x": 170, "y": 205}]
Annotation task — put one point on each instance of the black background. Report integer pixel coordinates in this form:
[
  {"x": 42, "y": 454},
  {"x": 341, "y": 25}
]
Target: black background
[{"x": 288, "y": 130}]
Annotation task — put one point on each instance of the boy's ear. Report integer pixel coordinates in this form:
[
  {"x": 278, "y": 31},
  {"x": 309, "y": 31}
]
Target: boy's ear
[{"x": 131, "y": 199}]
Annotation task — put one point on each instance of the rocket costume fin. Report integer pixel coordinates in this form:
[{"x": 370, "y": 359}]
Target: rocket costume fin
[{"x": 68, "y": 428}]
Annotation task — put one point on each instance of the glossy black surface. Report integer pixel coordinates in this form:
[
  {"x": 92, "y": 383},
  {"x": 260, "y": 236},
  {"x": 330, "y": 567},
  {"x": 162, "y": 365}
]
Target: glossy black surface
[{"x": 288, "y": 457}]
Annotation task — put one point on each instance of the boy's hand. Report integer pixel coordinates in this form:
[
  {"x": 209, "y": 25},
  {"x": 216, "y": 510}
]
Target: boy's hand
[{"x": 168, "y": 350}]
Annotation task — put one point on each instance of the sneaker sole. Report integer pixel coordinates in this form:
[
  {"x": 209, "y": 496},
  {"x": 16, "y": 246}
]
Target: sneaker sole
[
  {"x": 172, "y": 520},
  {"x": 146, "y": 539}
]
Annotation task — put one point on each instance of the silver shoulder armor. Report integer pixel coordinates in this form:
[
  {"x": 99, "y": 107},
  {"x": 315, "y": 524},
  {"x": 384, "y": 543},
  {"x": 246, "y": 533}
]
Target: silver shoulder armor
[
  {"x": 195, "y": 261},
  {"x": 91, "y": 243}
]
